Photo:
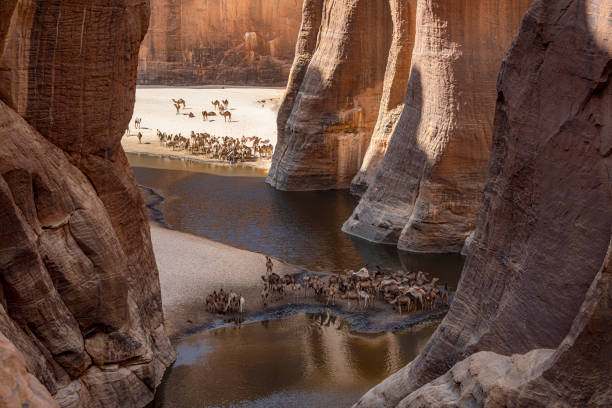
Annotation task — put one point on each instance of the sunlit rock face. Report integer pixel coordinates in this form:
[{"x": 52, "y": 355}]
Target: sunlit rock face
[
  {"x": 79, "y": 288},
  {"x": 427, "y": 189},
  {"x": 538, "y": 271},
  {"x": 334, "y": 95},
  {"x": 232, "y": 42}
]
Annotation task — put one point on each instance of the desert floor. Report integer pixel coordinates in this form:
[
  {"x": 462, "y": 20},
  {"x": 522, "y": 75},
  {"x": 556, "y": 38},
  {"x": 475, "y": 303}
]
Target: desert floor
[{"x": 250, "y": 117}]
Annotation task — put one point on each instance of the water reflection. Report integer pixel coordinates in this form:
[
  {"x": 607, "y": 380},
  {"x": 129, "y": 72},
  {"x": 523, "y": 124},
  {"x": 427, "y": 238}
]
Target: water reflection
[
  {"x": 234, "y": 206},
  {"x": 308, "y": 360}
]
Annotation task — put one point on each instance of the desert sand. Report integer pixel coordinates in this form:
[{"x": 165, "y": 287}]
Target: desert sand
[{"x": 249, "y": 117}]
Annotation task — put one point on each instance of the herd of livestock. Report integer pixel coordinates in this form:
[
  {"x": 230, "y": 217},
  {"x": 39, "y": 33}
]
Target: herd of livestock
[
  {"x": 405, "y": 291},
  {"x": 225, "y": 148}
]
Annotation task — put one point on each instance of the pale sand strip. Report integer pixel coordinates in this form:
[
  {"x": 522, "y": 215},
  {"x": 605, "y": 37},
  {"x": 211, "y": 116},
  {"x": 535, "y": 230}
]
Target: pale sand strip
[{"x": 191, "y": 267}]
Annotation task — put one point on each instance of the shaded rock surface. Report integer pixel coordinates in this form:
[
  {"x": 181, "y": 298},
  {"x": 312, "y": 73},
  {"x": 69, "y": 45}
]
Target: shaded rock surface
[
  {"x": 397, "y": 74},
  {"x": 427, "y": 189},
  {"x": 232, "y": 42},
  {"x": 543, "y": 232},
  {"x": 79, "y": 288},
  {"x": 333, "y": 97}
]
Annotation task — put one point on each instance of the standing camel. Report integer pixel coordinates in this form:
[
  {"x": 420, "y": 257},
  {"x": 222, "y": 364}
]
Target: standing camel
[
  {"x": 227, "y": 115},
  {"x": 205, "y": 115},
  {"x": 178, "y": 108}
]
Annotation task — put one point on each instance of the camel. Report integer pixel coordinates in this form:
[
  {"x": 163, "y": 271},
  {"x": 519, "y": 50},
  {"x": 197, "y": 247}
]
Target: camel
[
  {"x": 225, "y": 102},
  {"x": 366, "y": 298},
  {"x": 351, "y": 295},
  {"x": 402, "y": 300},
  {"x": 226, "y": 115},
  {"x": 191, "y": 115},
  {"x": 178, "y": 108},
  {"x": 264, "y": 295},
  {"x": 139, "y": 137},
  {"x": 205, "y": 115},
  {"x": 137, "y": 123},
  {"x": 216, "y": 104}
]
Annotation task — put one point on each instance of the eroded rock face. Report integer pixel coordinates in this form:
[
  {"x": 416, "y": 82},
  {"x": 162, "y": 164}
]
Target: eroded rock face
[
  {"x": 330, "y": 110},
  {"x": 546, "y": 218},
  {"x": 233, "y": 42},
  {"x": 427, "y": 189},
  {"x": 397, "y": 74},
  {"x": 79, "y": 287},
  {"x": 19, "y": 387}
]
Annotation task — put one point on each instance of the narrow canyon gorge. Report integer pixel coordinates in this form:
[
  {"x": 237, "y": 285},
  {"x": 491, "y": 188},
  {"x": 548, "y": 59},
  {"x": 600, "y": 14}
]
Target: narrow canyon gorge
[
  {"x": 224, "y": 42},
  {"x": 476, "y": 126}
]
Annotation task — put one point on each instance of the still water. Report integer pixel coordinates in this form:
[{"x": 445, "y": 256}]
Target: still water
[
  {"x": 235, "y": 206},
  {"x": 308, "y": 360}
]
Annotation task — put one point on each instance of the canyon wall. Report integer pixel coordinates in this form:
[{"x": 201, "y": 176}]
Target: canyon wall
[
  {"x": 79, "y": 289},
  {"x": 334, "y": 104},
  {"x": 427, "y": 189},
  {"x": 530, "y": 322},
  {"x": 231, "y": 42}
]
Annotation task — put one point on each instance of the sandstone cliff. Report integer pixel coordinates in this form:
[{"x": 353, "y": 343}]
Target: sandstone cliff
[
  {"x": 232, "y": 42},
  {"x": 397, "y": 74},
  {"x": 542, "y": 236},
  {"x": 334, "y": 112},
  {"x": 427, "y": 189},
  {"x": 79, "y": 288}
]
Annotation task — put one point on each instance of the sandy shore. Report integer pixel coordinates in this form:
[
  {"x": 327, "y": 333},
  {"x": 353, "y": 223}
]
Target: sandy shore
[
  {"x": 249, "y": 117},
  {"x": 191, "y": 267}
]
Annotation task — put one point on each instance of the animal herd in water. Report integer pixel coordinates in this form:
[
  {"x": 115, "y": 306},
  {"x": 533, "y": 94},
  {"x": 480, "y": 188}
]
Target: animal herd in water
[
  {"x": 405, "y": 291},
  {"x": 225, "y": 148}
]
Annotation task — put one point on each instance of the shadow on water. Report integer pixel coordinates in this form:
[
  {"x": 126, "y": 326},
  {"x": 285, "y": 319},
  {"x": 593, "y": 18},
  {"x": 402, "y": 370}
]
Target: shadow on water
[
  {"x": 233, "y": 205},
  {"x": 307, "y": 360}
]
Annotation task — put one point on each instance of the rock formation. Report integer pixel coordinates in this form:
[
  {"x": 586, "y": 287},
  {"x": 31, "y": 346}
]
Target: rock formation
[
  {"x": 427, "y": 189},
  {"x": 79, "y": 288},
  {"x": 397, "y": 74},
  {"x": 332, "y": 115},
  {"x": 232, "y": 42},
  {"x": 538, "y": 271}
]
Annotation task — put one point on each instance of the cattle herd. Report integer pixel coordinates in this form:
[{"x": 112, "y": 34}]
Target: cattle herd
[{"x": 406, "y": 291}]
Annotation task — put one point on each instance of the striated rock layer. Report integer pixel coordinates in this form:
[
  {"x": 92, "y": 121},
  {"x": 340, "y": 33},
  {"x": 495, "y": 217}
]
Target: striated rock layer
[
  {"x": 544, "y": 230},
  {"x": 233, "y": 42},
  {"x": 333, "y": 97},
  {"x": 79, "y": 287},
  {"x": 427, "y": 189},
  {"x": 394, "y": 91}
]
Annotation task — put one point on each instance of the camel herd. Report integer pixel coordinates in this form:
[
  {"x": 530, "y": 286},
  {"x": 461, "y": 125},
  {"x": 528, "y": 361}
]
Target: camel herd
[
  {"x": 225, "y": 302},
  {"x": 220, "y": 148},
  {"x": 225, "y": 148},
  {"x": 220, "y": 106},
  {"x": 406, "y": 291}
]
